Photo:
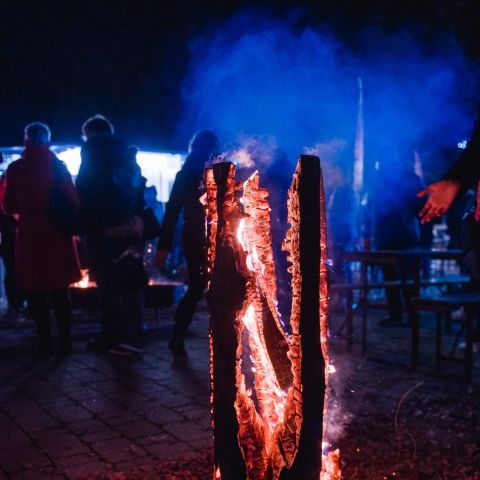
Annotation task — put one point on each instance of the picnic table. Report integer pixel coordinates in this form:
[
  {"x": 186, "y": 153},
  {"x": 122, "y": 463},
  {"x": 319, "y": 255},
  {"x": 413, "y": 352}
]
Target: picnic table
[{"x": 365, "y": 281}]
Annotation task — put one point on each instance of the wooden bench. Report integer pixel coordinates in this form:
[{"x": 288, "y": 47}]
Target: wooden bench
[
  {"x": 396, "y": 258},
  {"x": 442, "y": 307}
]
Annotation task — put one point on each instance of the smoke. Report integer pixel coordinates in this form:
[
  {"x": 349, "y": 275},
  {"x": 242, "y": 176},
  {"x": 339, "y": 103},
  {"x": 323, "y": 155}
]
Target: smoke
[{"x": 256, "y": 75}]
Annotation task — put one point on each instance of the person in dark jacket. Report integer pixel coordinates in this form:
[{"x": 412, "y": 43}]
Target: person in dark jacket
[
  {"x": 396, "y": 225},
  {"x": 187, "y": 189},
  {"x": 111, "y": 191},
  {"x": 46, "y": 261},
  {"x": 464, "y": 174}
]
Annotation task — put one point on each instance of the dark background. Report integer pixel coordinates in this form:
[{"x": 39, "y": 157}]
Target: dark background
[{"x": 62, "y": 62}]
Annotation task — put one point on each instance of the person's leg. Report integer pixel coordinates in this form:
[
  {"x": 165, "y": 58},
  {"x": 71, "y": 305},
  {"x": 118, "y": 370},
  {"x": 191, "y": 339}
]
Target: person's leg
[
  {"x": 38, "y": 302},
  {"x": 186, "y": 307},
  {"x": 63, "y": 318},
  {"x": 394, "y": 302},
  {"x": 411, "y": 271}
]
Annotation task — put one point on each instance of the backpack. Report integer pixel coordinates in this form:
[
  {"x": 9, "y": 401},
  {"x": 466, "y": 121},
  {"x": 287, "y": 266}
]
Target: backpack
[{"x": 62, "y": 211}]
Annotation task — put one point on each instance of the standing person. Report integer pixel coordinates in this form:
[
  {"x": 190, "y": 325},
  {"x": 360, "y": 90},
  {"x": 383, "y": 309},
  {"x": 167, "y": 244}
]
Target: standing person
[
  {"x": 464, "y": 174},
  {"x": 8, "y": 230},
  {"x": 111, "y": 192},
  {"x": 187, "y": 189},
  {"x": 397, "y": 226},
  {"x": 46, "y": 260}
]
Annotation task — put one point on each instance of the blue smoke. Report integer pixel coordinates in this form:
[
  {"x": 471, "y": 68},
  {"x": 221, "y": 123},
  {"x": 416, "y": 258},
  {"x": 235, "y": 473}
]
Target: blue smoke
[{"x": 261, "y": 76}]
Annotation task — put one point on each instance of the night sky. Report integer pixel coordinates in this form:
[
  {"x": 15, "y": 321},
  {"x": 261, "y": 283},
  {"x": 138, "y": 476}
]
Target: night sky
[{"x": 62, "y": 62}]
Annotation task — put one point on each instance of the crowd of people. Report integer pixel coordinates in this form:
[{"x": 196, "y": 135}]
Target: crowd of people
[
  {"x": 113, "y": 213},
  {"x": 46, "y": 218}
]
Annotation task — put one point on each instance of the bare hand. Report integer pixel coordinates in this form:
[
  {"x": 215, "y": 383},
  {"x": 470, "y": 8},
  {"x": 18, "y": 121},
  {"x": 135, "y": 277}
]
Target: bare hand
[
  {"x": 162, "y": 258},
  {"x": 441, "y": 196}
]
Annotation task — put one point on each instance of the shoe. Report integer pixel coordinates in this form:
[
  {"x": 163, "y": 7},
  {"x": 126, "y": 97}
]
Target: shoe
[
  {"x": 119, "y": 351},
  {"x": 131, "y": 348},
  {"x": 177, "y": 347}
]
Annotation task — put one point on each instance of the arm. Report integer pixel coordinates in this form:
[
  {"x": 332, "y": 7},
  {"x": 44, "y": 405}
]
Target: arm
[
  {"x": 174, "y": 206},
  {"x": 10, "y": 203}
]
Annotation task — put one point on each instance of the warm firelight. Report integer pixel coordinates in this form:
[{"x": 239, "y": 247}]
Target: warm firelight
[
  {"x": 274, "y": 388},
  {"x": 85, "y": 281}
]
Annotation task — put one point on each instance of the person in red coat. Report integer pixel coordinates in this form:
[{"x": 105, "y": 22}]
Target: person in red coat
[{"x": 46, "y": 260}]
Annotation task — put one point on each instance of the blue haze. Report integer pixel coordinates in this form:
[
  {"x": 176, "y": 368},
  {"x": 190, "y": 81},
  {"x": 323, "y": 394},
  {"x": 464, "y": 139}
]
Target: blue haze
[{"x": 256, "y": 75}]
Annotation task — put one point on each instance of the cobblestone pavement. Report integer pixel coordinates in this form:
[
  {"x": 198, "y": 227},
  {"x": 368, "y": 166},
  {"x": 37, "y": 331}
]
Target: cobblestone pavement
[{"x": 93, "y": 412}]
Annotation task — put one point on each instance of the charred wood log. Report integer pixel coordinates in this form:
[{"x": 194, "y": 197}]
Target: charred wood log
[{"x": 268, "y": 389}]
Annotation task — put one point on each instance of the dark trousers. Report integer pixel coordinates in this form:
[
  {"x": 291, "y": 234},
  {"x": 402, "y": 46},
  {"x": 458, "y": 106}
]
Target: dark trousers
[
  {"x": 407, "y": 271},
  {"x": 40, "y": 304},
  {"x": 121, "y": 315},
  {"x": 121, "y": 291},
  {"x": 197, "y": 282}
]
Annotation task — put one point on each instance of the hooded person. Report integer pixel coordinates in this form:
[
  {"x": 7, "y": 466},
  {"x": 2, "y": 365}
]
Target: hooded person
[
  {"x": 111, "y": 191},
  {"x": 46, "y": 261},
  {"x": 187, "y": 189}
]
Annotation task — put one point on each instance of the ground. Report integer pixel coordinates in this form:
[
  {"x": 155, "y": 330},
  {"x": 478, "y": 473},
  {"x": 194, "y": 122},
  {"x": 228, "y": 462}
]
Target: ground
[{"x": 94, "y": 416}]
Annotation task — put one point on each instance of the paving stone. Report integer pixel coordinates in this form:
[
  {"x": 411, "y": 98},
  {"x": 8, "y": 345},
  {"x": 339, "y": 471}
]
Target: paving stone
[
  {"x": 24, "y": 458},
  {"x": 22, "y": 409},
  {"x": 194, "y": 412},
  {"x": 85, "y": 393},
  {"x": 60, "y": 443},
  {"x": 13, "y": 438},
  {"x": 168, "y": 450},
  {"x": 99, "y": 404},
  {"x": 37, "y": 423},
  {"x": 202, "y": 444},
  {"x": 187, "y": 431},
  {"x": 71, "y": 413},
  {"x": 162, "y": 416},
  {"x": 119, "y": 417},
  {"x": 85, "y": 458},
  {"x": 37, "y": 475},
  {"x": 99, "y": 436},
  {"x": 89, "y": 425},
  {"x": 117, "y": 450},
  {"x": 86, "y": 470},
  {"x": 173, "y": 399},
  {"x": 136, "y": 462},
  {"x": 138, "y": 429}
]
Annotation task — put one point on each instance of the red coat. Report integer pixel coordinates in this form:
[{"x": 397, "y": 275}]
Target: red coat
[{"x": 44, "y": 259}]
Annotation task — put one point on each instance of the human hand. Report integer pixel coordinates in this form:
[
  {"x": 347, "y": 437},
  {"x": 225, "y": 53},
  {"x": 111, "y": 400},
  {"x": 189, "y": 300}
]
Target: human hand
[
  {"x": 162, "y": 258},
  {"x": 441, "y": 195}
]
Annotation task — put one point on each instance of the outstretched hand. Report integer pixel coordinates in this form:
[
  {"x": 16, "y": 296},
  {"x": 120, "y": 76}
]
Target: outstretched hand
[
  {"x": 162, "y": 258},
  {"x": 441, "y": 196}
]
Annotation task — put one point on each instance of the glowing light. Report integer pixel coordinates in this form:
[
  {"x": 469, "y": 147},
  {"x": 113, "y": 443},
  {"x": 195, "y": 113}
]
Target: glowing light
[
  {"x": 84, "y": 282},
  {"x": 462, "y": 145},
  {"x": 331, "y": 368},
  {"x": 159, "y": 168}
]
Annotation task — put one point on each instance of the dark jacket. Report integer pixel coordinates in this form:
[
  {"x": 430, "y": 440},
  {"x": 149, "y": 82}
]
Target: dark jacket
[
  {"x": 466, "y": 170},
  {"x": 396, "y": 210},
  {"x": 109, "y": 183},
  {"x": 187, "y": 189}
]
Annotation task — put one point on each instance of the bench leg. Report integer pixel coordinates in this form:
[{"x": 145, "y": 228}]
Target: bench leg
[
  {"x": 350, "y": 319},
  {"x": 415, "y": 338},
  {"x": 364, "y": 311},
  {"x": 438, "y": 343},
  {"x": 468, "y": 347}
]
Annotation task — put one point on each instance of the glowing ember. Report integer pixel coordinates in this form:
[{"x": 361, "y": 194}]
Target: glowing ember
[{"x": 84, "y": 282}]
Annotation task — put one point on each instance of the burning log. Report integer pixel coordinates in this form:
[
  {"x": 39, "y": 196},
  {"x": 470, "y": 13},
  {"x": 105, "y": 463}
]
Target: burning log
[{"x": 267, "y": 388}]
